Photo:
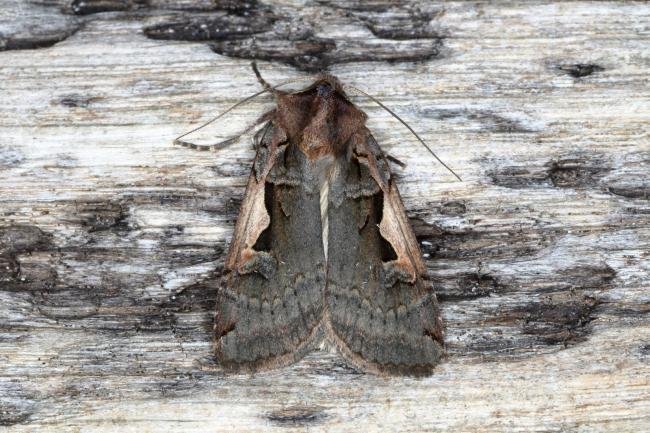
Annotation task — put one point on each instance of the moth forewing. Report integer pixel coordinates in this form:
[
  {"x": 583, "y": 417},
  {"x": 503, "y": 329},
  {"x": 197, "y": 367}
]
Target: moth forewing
[
  {"x": 270, "y": 301},
  {"x": 381, "y": 309}
]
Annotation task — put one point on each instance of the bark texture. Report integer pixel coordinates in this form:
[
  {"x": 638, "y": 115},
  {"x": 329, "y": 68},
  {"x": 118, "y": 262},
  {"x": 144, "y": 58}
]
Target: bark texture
[{"x": 108, "y": 234}]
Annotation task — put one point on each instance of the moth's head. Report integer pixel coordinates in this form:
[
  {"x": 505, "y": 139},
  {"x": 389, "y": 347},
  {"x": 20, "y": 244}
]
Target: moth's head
[{"x": 327, "y": 86}]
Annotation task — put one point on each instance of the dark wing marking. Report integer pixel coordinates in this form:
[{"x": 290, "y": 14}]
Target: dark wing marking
[
  {"x": 270, "y": 301},
  {"x": 381, "y": 309}
]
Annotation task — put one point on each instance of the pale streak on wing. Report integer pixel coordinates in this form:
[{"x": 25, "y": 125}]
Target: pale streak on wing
[
  {"x": 330, "y": 170},
  {"x": 324, "y": 221}
]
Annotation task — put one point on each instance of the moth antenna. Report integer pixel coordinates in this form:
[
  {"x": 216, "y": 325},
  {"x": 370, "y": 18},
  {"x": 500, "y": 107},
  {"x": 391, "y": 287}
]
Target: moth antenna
[
  {"x": 392, "y": 113},
  {"x": 267, "y": 88},
  {"x": 262, "y": 81},
  {"x": 178, "y": 140},
  {"x": 263, "y": 118},
  {"x": 206, "y": 147}
]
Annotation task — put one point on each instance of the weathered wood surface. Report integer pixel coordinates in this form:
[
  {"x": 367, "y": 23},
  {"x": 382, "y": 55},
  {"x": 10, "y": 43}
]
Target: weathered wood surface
[{"x": 110, "y": 236}]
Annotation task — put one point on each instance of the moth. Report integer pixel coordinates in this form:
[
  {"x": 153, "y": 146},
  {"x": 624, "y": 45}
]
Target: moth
[{"x": 323, "y": 246}]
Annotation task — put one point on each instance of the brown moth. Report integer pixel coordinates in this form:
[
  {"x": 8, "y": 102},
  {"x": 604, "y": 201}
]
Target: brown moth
[{"x": 323, "y": 245}]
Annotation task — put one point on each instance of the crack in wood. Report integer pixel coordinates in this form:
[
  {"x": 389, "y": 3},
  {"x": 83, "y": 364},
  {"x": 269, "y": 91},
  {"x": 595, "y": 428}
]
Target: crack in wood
[
  {"x": 297, "y": 416},
  {"x": 493, "y": 243},
  {"x": 402, "y": 21},
  {"x": 468, "y": 285},
  {"x": 102, "y": 215},
  {"x": 263, "y": 34},
  {"x": 576, "y": 172},
  {"x": 34, "y": 27},
  {"x": 364, "y": 6},
  {"x": 580, "y": 70},
  {"x": 565, "y": 172},
  {"x": 11, "y": 415},
  {"x": 514, "y": 331},
  {"x": 87, "y": 7},
  {"x": 558, "y": 319},
  {"x": 76, "y": 100},
  {"x": 453, "y": 208},
  {"x": 226, "y": 25},
  {"x": 487, "y": 120},
  {"x": 23, "y": 238},
  {"x": 640, "y": 191},
  {"x": 17, "y": 405}
]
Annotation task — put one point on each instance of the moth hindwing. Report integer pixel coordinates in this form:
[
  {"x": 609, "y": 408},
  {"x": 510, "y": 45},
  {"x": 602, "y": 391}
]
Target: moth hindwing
[{"x": 323, "y": 245}]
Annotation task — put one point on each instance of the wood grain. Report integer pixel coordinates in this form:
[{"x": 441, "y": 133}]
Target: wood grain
[{"x": 110, "y": 237}]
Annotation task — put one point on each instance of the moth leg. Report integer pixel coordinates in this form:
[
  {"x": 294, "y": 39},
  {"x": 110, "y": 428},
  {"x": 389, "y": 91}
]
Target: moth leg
[{"x": 393, "y": 159}]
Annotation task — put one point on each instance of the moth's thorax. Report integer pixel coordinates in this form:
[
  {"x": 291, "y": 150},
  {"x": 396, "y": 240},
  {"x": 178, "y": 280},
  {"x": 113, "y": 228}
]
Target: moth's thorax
[
  {"x": 319, "y": 120},
  {"x": 317, "y": 137}
]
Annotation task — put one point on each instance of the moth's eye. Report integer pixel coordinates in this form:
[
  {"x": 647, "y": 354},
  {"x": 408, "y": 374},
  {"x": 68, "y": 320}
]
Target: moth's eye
[{"x": 324, "y": 90}]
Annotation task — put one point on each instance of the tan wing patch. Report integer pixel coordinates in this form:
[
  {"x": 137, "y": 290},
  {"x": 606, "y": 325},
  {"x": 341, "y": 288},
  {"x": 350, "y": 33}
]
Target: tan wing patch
[
  {"x": 395, "y": 228},
  {"x": 248, "y": 231},
  {"x": 258, "y": 218}
]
